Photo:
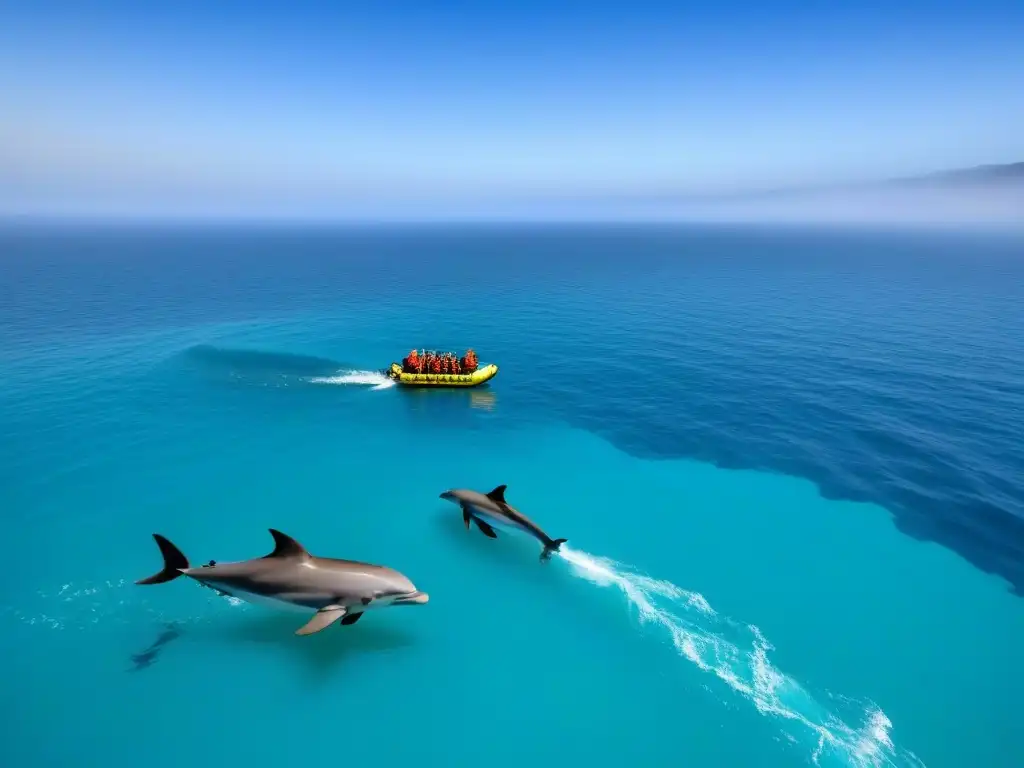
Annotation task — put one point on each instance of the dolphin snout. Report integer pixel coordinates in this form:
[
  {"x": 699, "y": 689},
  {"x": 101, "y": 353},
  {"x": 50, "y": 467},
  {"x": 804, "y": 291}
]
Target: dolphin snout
[
  {"x": 447, "y": 496},
  {"x": 413, "y": 598}
]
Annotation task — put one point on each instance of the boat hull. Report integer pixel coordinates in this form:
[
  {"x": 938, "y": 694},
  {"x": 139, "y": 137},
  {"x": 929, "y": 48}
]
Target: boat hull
[{"x": 476, "y": 378}]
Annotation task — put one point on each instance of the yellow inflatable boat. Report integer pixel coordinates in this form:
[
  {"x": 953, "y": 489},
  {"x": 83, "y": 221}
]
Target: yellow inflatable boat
[{"x": 474, "y": 379}]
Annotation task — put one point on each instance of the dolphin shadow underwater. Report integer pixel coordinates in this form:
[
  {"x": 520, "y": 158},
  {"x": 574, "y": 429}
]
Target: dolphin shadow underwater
[{"x": 146, "y": 658}]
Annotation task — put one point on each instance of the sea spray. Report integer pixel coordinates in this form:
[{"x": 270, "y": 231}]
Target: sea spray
[
  {"x": 373, "y": 379},
  {"x": 738, "y": 655},
  {"x": 82, "y": 605}
]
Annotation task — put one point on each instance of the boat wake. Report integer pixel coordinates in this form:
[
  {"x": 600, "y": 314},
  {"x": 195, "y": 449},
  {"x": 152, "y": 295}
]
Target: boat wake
[
  {"x": 738, "y": 655},
  {"x": 373, "y": 379}
]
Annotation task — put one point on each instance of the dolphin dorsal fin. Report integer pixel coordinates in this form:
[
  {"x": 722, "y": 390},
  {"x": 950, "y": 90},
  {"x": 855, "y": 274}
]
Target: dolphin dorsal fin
[
  {"x": 498, "y": 494},
  {"x": 286, "y": 546}
]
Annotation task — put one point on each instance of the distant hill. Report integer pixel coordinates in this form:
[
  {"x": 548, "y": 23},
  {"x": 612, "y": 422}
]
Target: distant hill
[
  {"x": 987, "y": 194},
  {"x": 1005, "y": 173},
  {"x": 1001, "y": 176}
]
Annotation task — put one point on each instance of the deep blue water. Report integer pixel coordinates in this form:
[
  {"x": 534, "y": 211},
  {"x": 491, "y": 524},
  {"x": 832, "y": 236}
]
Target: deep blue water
[{"x": 787, "y": 462}]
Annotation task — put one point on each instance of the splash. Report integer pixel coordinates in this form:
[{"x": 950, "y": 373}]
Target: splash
[
  {"x": 738, "y": 655},
  {"x": 373, "y": 379},
  {"x": 79, "y": 606}
]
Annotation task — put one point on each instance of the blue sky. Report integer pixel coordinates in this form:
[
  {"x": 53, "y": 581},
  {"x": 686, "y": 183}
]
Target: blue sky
[{"x": 344, "y": 107}]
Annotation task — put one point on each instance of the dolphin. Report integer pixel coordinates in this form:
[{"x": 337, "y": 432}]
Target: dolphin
[
  {"x": 291, "y": 577},
  {"x": 487, "y": 509}
]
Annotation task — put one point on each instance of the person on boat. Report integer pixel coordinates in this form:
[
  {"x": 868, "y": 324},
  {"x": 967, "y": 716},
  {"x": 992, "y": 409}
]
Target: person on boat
[
  {"x": 409, "y": 364},
  {"x": 469, "y": 361},
  {"x": 435, "y": 364}
]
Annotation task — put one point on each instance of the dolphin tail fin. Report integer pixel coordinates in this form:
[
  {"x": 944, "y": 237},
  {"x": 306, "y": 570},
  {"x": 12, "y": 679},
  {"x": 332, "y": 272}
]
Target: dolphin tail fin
[
  {"x": 174, "y": 562},
  {"x": 552, "y": 547}
]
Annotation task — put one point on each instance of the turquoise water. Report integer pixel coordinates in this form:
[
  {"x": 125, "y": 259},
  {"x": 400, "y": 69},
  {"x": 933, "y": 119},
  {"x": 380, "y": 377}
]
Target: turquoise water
[{"x": 795, "y": 529}]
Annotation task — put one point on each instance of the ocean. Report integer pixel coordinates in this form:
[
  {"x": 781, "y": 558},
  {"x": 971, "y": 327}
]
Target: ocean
[{"x": 788, "y": 463}]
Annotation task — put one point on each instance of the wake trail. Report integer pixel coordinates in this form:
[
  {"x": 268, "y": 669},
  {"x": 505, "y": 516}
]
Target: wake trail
[
  {"x": 738, "y": 655},
  {"x": 85, "y": 605},
  {"x": 373, "y": 379}
]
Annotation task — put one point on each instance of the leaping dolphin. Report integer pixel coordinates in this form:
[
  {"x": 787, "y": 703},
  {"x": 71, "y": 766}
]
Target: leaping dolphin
[
  {"x": 487, "y": 509},
  {"x": 291, "y": 577}
]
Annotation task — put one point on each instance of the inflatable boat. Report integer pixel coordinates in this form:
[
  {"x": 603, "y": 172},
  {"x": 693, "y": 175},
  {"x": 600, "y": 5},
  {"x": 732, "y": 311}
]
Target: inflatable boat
[{"x": 476, "y": 378}]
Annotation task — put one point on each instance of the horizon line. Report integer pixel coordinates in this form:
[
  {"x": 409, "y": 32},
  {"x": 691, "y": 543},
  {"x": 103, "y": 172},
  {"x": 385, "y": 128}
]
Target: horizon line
[{"x": 185, "y": 221}]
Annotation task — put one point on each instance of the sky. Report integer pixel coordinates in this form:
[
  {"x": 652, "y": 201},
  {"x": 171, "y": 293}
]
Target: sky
[{"x": 341, "y": 108}]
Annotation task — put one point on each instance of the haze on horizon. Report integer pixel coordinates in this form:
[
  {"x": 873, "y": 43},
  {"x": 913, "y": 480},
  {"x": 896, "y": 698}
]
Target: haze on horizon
[{"x": 581, "y": 110}]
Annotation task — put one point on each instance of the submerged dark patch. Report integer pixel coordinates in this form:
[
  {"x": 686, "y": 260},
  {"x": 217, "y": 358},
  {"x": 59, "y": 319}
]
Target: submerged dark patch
[{"x": 147, "y": 657}]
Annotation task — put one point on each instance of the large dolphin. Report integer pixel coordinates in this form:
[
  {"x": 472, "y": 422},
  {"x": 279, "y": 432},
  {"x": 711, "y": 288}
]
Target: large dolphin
[
  {"x": 487, "y": 509},
  {"x": 291, "y": 577}
]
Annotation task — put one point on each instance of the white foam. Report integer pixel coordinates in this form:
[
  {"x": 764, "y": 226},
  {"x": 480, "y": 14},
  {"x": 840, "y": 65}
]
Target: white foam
[
  {"x": 79, "y": 606},
  {"x": 738, "y": 655},
  {"x": 373, "y": 379}
]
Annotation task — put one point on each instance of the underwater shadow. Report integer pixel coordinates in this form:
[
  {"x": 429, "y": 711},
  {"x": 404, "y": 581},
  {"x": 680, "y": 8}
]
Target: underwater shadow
[
  {"x": 238, "y": 366},
  {"x": 324, "y": 652},
  {"x": 255, "y": 360},
  {"x": 149, "y": 656}
]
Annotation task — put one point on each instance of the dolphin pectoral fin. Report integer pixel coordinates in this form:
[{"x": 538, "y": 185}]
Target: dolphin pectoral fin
[
  {"x": 485, "y": 529},
  {"x": 465, "y": 517},
  {"x": 322, "y": 619},
  {"x": 498, "y": 494},
  {"x": 352, "y": 618}
]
